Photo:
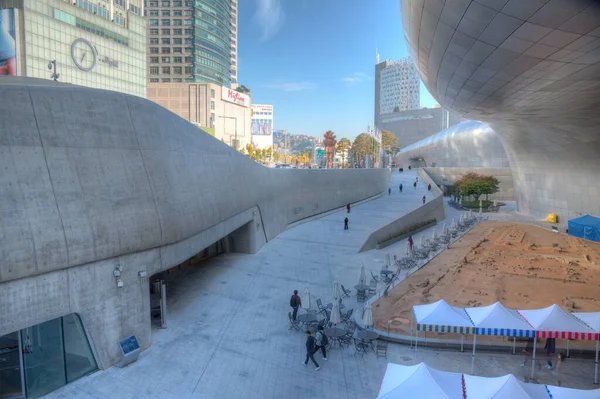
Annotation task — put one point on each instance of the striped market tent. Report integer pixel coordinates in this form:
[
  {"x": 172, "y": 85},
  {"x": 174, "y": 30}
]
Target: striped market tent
[
  {"x": 495, "y": 319},
  {"x": 441, "y": 317},
  {"x": 553, "y": 322}
]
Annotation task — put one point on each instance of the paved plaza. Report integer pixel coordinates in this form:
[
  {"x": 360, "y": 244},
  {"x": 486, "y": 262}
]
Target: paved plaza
[{"x": 228, "y": 335}]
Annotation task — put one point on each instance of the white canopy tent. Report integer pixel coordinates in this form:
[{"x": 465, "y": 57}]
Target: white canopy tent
[
  {"x": 505, "y": 387},
  {"x": 497, "y": 320},
  {"x": 592, "y": 319},
  {"x": 553, "y": 322},
  {"x": 567, "y": 393},
  {"x": 420, "y": 381}
]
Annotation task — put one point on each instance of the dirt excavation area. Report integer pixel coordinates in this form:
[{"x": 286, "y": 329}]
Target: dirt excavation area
[{"x": 522, "y": 266}]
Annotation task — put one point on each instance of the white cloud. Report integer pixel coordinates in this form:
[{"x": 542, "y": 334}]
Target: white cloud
[
  {"x": 269, "y": 16},
  {"x": 292, "y": 86},
  {"x": 355, "y": 78}
]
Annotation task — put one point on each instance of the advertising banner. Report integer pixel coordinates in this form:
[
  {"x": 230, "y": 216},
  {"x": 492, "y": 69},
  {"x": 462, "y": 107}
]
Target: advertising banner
[
  {"x": 262, "y": 127},
  {"x": 235, "y": 97},
  {"x": 8, "y": 47}
]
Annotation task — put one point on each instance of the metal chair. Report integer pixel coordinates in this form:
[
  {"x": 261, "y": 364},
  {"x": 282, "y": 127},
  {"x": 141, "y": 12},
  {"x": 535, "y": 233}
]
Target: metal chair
[
  {"x": 381, "y": 350},
  {"x": 294, "y": 324},
  {"x": 346, "y": 293},
  {"x": 360, "y": 347},
  {"x": 347, "y": 317},
  {"x": 374, "y": 277}
]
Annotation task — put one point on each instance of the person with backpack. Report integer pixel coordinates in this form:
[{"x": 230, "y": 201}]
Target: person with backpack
[
  {"x": 310, "y": 350},
  {"x": 295, "y": 303},
  {"x": 321, "y": 341},
  {"x": 400, "y": 187}
]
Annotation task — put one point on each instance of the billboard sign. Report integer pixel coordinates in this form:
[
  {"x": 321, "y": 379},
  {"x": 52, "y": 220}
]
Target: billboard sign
[
  {"x": 8, "y": 47},
  {"x": 235, "y": 97},
  {"x": 262, "y": 108},
  {"x": 262, "y": 127}
]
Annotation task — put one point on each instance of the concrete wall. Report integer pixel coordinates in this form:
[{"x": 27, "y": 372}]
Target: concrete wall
[
  {"x": 92, "y": 179},
  {"x": 447, "y": 177},
  {"x": 468, "y": 144},
  {"x": 533, "y": 74},
  {"x": 432, "y": 209}
]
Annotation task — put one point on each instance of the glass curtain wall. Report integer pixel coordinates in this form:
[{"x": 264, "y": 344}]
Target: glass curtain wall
[{"x": 48, "y": 356}]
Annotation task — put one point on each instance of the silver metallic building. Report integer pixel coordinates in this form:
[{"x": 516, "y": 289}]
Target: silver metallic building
[{"x": 531, "y": 69}]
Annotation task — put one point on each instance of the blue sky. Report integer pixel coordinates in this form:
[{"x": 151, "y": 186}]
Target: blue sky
[{"x": 314, "y": 60}]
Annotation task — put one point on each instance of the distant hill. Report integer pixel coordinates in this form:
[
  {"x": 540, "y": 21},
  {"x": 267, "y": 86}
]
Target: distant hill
[{"x": 296, "y": 143}]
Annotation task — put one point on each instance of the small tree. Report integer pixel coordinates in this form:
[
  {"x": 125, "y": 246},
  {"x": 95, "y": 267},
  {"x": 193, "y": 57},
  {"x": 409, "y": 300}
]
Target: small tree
[
  {"x": 477, "y": 185},
  {"x": 396, "y": 109}
]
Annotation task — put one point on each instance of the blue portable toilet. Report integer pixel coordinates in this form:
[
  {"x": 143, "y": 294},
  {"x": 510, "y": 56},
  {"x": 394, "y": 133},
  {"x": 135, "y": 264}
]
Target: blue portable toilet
[{"x": 587, "y": 227}]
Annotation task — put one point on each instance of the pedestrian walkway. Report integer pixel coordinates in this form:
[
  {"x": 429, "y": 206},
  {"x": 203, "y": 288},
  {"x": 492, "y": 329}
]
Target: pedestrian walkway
[{"x": 228, "y": 336}]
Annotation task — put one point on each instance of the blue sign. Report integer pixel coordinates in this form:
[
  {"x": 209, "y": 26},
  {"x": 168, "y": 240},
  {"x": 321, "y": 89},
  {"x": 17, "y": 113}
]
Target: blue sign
[{"x": 129, "y": 344}]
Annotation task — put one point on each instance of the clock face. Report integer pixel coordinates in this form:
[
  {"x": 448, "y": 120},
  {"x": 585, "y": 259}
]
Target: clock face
[{"x": 83, "y": 54}]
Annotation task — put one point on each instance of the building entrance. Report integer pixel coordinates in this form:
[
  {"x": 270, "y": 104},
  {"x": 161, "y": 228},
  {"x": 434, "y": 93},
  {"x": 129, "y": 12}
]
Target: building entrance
[{"x": 40, "y": 359}]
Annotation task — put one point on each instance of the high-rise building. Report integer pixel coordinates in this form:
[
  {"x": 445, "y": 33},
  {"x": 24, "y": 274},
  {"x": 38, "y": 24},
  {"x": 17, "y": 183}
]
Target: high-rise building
[
  {"x": 192, "y": 41},
  {"x": 397, "y": 87},
  {"x": 99, "y": 43}
]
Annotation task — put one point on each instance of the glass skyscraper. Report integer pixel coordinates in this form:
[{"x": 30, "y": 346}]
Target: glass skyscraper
[{"x": 192, "y": 41}]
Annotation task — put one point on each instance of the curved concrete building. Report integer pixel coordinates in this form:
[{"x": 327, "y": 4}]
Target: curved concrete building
[
  {"x": 95, "y": 182},
  {"x": 531, "y": 70},
  {"x": 466, "y": 145}
]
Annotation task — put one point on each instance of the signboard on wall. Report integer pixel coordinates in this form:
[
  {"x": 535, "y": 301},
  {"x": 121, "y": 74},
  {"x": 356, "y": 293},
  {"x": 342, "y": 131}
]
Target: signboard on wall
[
  {"x": 262, "y": 127},
  {"x": 235, "y": 97},
  {"x": 262, "y": 108},
  {"x": 8, "y": 43}
]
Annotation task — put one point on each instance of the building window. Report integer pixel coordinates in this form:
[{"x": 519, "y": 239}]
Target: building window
[
  {"x": 189, "y": 3},
  {"x": 189, "y": 60},
  {"x": 177, "y": 60},
  {"x": 165, "y": 50},
  {"x": 178, "y": 80},
  {"x": 165, "y": 40},
  {"x": 212, "y": 93},
  {"x": 189, "y": 31},
  {"x": 177, "y": 31},
  {"x": 165, "y": 13},
  {"x": 154, "y": 40},
  {"x": 165, "y": 31},
  {"x": 153, "y": 13},
  {"x": 177, "y": 50},
  {"x": 178, "y": 13},
  {"x": 177, "y": 70},
  {"x": 153, "y": 22},
  {"x": 189, "y": 22},
  {"x": 166, "y": 60},
  {"x": 177, "y": 4},
  {"x": 153, "y": 70},
  {"x": 188, "y": 13},
  {"x": 153, "y": 3},
  {"x": 188, "y": 70},
  {"x": 165, "y": 22},
  {"x": 153, "y": 50},
  {"x": 177, "y": 22},
  {"x": 166, "y": 80},
  {"x": 177, "y": 40},
  {"x": 189, "y": 50},
  {"x": 153, "y": 80},
  {"x": 212, "y": 105},
  {"x": 154, "y": 31},
  {"x": 154, "y": 60},
  {"x": 165, "y": 4},
  {"x": 166, "y": 70},
  {"x": 189, "y": 40}
]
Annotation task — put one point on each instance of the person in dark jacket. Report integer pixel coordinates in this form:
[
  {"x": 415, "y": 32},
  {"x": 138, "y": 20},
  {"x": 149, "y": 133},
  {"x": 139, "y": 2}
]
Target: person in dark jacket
[
  {"x": 389, "y": 191},
  {"x": 415, "y": 185},
  {"x": 346, "y": 224},
  {"x": 320, "y": 340},
  {"x": 410, "y": 242},
  {"x": 311, "y": 348},
  {"x": 348, "y": 208},
  {"x": 400, "y": 187},
  {"x": 424, "y": 199},
  {"x": 295, "y": 303},
  {"x": 429, "y": 187}
]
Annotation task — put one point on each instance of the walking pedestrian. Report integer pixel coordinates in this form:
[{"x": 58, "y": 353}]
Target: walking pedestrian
[
  {"x": 348, "y": 208},
  {"x": 389, "y": 191},
  {"x": 417, "y": 179},
  {"x": 410, "y": 242},
  {"x": 409, "y": 167},
  {"x": 346, "y": 224},
  {"x": 429, "y": 187},
  {"x": 424, "y": 199},
  {"x": 400, "y": 187},
  {"x": 415, "y": 185},
  {"x": 295, "y": 303},
  {"x": 310, "y": 350},
  {"x": 321, "y": 341}
]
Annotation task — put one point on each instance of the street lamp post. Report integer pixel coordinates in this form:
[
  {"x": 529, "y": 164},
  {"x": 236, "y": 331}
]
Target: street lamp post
[{"x": 235, "y": 140}]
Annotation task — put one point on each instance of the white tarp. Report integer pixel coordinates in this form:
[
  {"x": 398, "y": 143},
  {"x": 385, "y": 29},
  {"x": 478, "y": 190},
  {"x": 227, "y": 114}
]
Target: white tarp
[
  {"x": 553, "y": 322},
  {"x": 567, "y": 393},
  {"x": 420, "y": 381},
  {"x": 505, "y": 387},
  {"x": 441, "y": 317},
  {"x": 495, "y": 319},
  {"x": 592, "y": 319}
]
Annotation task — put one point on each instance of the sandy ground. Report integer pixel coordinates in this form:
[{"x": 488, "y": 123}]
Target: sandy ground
[{"x": 522, "y": 266}]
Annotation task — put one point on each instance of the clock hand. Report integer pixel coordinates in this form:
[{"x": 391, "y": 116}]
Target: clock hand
[{"x": 84, "y": 54}]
